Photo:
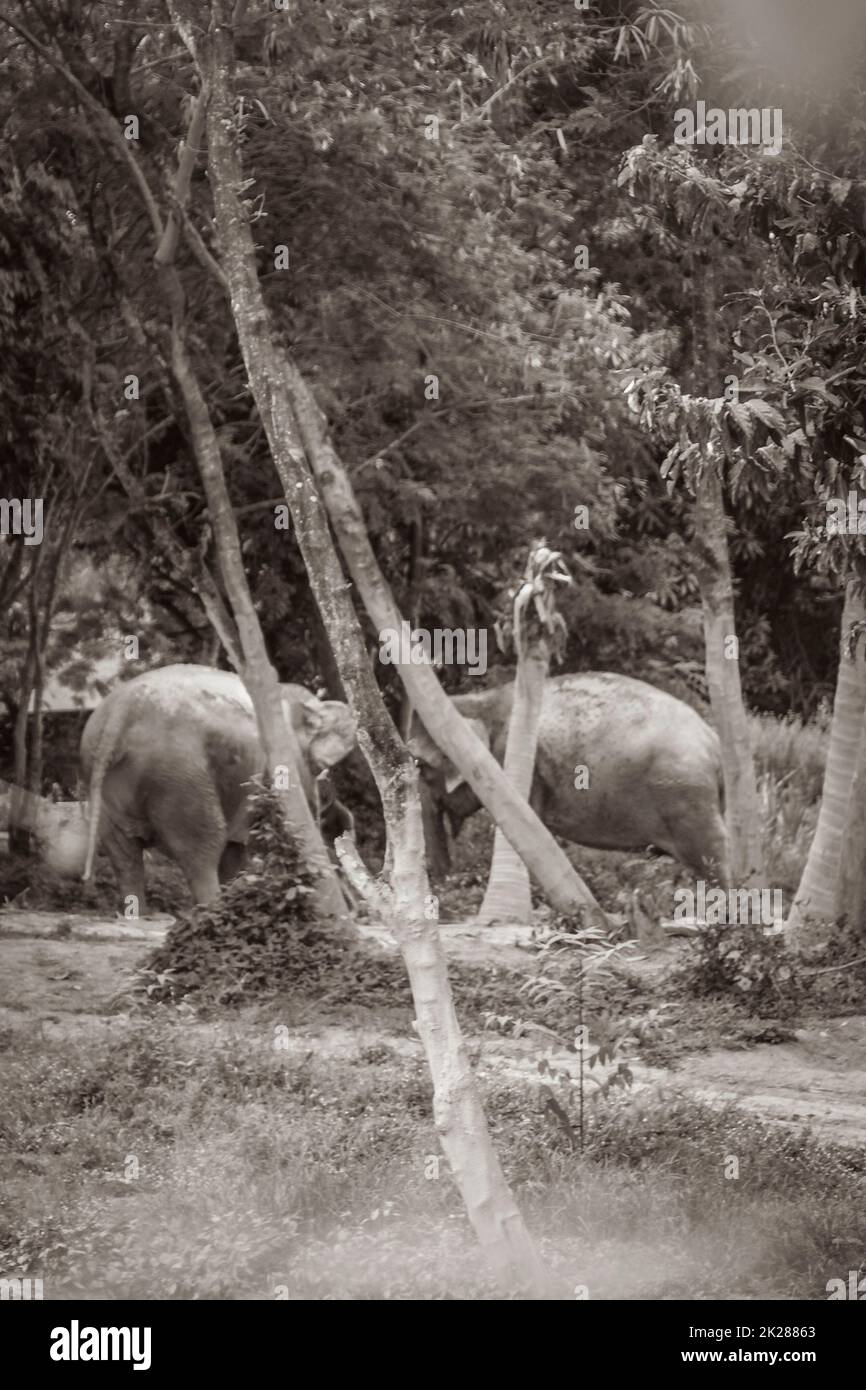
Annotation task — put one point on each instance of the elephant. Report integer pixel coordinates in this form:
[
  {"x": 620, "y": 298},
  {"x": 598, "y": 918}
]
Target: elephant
[
  {"x": 652, "y": 770},
  {"x": 167, "y": 756}
]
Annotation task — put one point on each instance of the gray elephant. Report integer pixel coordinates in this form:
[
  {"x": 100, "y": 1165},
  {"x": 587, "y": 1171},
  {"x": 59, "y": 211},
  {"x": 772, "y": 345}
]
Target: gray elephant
[
  {"x": 166, "y": 757},
  {"x": 620, "y": 765}
]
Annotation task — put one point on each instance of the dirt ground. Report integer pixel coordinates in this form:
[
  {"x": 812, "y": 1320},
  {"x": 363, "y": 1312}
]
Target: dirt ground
[{"x": 65, "y": 975}]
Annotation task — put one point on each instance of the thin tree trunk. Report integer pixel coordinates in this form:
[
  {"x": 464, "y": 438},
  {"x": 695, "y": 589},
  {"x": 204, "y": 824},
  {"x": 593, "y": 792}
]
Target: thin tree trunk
[
  {"x": 459, "y": 1114},
  {"x": 816, "y": 894},
  {"x": 723, "y": 680},
  {"x": 20, "y": 810},
  {"x": 416, "y": 531},
  {"x": 717, "y": 600},
  {"x": 34, "y": 757}
]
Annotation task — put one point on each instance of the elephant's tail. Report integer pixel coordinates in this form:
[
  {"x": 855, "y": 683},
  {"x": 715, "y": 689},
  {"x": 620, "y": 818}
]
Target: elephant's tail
[{"x": 103, "y": 756}]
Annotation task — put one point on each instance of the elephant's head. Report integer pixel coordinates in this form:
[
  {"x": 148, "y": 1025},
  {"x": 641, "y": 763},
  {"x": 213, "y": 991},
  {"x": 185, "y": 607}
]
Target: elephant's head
[
  {"x": 325, "y": 729},
  {"x": 436, "y": 768}
]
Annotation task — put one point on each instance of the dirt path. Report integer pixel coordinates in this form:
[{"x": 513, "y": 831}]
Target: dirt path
[{"x": 63, "y": 975}]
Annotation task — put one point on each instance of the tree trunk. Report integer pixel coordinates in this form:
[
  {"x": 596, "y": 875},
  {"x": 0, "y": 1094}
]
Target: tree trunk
[
  {"x": 416, "y": 560},
  {"x": 723, "y": 680},
  {"x": 508, "y": 897},
  {"x": 459, "y": 1114},
  {"x": 742, "y": 806},
  {"x": 816, "y": 895},
  {"x": 457, "y": 1108},
  {"x": 20, "y": 809},
  {"x": 851, "y": 883}
]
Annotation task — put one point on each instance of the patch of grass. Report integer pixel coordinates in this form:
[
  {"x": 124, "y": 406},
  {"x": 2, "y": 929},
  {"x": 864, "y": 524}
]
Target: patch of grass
[{"x": 205, "y": 1161}]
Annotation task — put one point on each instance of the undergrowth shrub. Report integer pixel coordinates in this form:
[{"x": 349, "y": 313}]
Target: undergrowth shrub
[
  {"x": 770, "y": 978},
  {"x": 259, "y": 937}
]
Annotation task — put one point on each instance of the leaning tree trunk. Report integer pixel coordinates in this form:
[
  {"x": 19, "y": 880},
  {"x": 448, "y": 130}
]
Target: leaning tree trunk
[
  {"x": 742, "y": 806},
  {"x": 459, "y": 1114},
  {"x": 508, "y": 897},
  {"x": 851, "y": 883},
  {"x": 816, "y": 895}
]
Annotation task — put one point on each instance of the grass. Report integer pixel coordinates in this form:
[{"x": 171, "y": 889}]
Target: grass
[{"x": 201, "y": 1162}]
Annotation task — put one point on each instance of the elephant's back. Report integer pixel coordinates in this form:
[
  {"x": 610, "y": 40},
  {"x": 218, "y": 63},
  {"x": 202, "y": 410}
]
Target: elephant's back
[
  {"x": 627, "y": 733},
  {"x": 182, "y": 685},
  {"x": 604, "y": 703},
  {"x": 170, "y": 712}
]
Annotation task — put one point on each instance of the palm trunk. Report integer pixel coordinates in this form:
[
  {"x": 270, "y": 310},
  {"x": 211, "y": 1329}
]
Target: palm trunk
[
  {"x": 816, "y": 895},
  {"x": 851, "y": 882},
  {"x": 508, "y": 897}
]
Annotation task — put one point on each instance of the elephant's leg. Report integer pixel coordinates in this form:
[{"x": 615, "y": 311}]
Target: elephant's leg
[
  {"x": 435, "y": 835},
  {"x": 126, "y": 856},
  {"x": 203, "y": 880},
  {"x": 232, "y": 860},
  {"x": 701, "y": 843},
  {"x": 191, "y": 829}
]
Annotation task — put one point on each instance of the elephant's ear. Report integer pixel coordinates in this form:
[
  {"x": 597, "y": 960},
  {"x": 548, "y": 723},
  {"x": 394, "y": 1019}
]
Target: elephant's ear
[
  {"x": 453, "y": 776},
  {"x": 312, "y": 713}
]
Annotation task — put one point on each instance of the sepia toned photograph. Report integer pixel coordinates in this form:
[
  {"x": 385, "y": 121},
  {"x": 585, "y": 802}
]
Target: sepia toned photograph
[{"x": 433, "y": 666}]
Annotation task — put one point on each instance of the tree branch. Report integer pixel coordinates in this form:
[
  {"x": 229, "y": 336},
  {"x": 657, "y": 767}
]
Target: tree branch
[{"x": 114, "y": 132}]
